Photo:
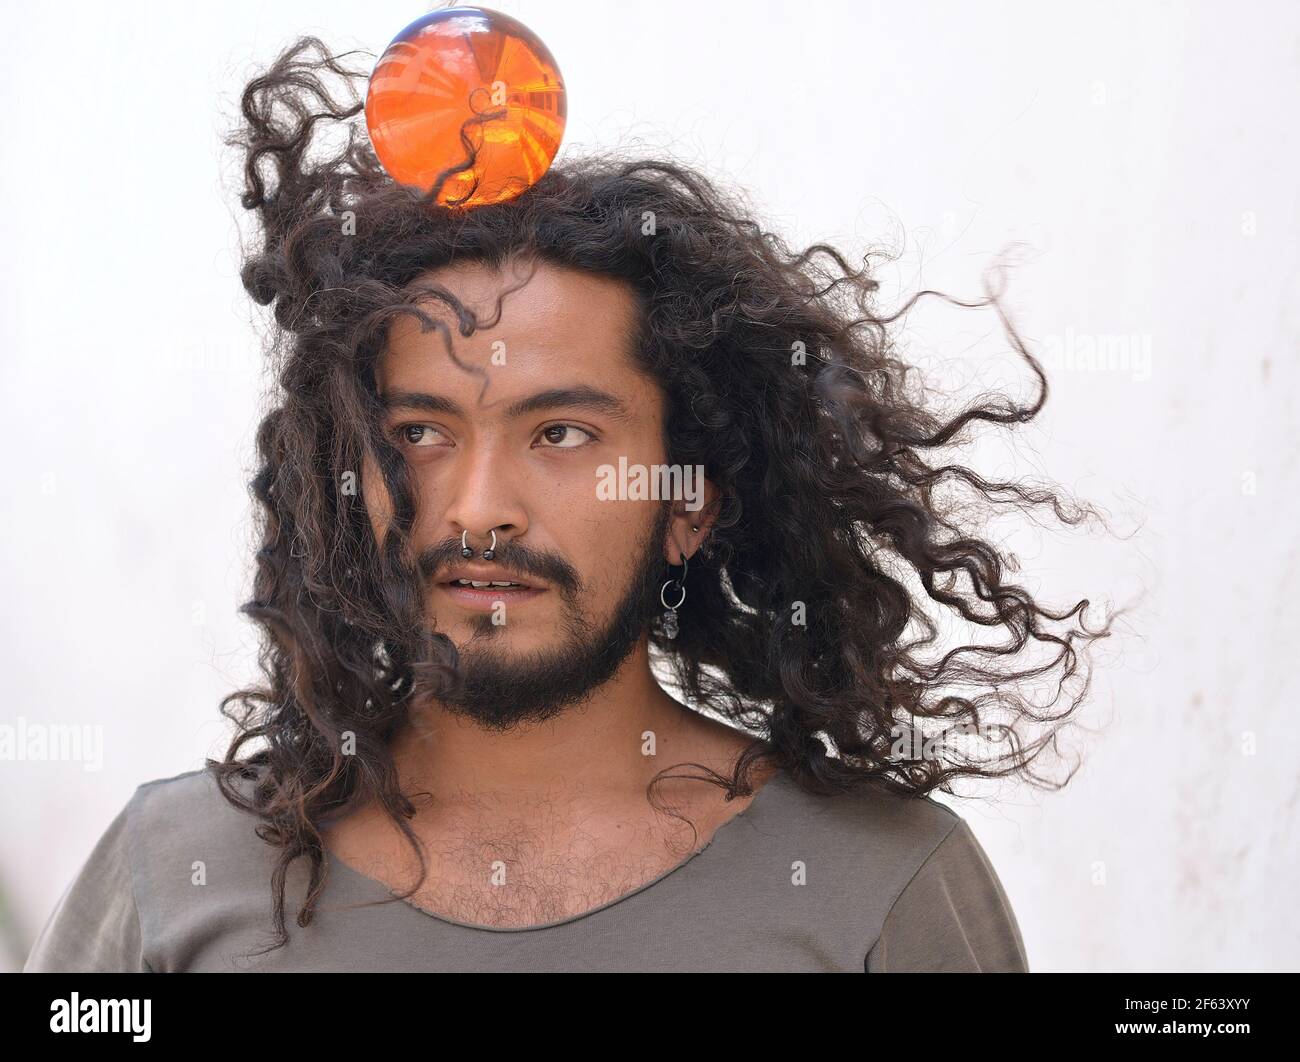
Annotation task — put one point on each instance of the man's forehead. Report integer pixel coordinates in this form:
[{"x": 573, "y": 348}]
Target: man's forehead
[
  {"x": 561, "y": 329},
  {"x": 541, "y": 304}
]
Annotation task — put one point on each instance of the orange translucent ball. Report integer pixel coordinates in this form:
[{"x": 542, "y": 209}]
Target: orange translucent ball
[{"x": 470, "y": 71}]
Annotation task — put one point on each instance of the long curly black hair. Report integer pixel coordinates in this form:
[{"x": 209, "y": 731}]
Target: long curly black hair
[{"x": 783, "y": 381}]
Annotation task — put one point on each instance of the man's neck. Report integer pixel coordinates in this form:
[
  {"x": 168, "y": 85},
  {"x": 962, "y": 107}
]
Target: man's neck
[{"x": 569, "y": 793}]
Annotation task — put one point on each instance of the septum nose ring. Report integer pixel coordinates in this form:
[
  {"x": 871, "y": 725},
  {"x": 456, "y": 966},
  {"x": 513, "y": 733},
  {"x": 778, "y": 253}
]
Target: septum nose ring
[{"x": 488, "y": 553}]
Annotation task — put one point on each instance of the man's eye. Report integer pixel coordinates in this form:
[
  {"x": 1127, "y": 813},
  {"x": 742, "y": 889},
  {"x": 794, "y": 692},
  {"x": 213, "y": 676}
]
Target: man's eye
[
  {"x": 418, "y": 434},
  {"x": 558, "y": 434}
]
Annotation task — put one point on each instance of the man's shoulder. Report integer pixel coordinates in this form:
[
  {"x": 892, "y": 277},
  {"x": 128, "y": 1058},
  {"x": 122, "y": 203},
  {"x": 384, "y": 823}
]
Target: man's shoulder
[
  {"x": 859, "y": 849},
  {"x": 873, "y": 819},
  {"x": 184, "y": 828},
  {"x": 202, "y": 876},
  {"x": 190, "y": 803}
]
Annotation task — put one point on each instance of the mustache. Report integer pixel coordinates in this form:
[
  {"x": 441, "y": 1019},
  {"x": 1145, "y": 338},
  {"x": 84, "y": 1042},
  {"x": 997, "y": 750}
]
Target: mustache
[{"x": 545, "y": 567}]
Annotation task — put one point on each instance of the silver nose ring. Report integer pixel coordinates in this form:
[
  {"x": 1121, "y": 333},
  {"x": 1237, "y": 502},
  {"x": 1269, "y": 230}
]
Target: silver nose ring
[{"x": 488, "y": 553}]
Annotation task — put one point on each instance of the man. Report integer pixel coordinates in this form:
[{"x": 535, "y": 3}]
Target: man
[{"x": 463, "y": 757}]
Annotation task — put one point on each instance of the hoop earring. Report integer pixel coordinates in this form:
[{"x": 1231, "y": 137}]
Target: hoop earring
[{"x": 670, "y": 611}]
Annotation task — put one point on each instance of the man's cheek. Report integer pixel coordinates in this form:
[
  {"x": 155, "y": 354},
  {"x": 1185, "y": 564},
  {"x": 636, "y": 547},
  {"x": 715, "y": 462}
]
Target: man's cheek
[{"x": 375, "y": 497}]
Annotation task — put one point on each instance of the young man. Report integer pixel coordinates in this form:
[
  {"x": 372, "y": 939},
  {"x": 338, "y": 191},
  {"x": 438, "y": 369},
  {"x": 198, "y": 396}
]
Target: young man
[{"x": 516, "y": 450}]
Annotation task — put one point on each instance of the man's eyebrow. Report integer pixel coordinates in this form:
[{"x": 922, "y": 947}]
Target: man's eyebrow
[{"x": 578, "y": 397}]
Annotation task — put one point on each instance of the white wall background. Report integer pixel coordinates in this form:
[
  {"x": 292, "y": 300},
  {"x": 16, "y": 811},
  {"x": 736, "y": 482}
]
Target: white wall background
[{"x": 1146, "y": 153}]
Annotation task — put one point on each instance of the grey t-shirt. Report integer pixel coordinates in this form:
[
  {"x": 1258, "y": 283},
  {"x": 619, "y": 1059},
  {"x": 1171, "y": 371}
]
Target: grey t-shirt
[{"x": 870, "y": 881}]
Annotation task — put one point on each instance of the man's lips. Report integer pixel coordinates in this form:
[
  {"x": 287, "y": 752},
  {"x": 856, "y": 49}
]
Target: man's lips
[
  {"x": 484, "y": 599},
  {"x": 486, "y": 573}
]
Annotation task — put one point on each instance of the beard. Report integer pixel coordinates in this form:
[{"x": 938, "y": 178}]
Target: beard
[{"x": 500, "y": 692}]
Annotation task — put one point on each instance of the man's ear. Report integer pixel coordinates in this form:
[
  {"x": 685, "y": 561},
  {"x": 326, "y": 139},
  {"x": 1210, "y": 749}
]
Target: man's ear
[{"x": 689, "y": 526}]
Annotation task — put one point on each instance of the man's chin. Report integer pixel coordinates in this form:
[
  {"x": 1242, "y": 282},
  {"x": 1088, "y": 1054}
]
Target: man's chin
[
  {"x": 502, "y": 697},
  {"x": 515, "y": 684}
]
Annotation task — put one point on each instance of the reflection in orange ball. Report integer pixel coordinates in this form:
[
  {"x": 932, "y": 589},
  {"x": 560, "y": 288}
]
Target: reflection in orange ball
[{"x": 474, "y": 72}]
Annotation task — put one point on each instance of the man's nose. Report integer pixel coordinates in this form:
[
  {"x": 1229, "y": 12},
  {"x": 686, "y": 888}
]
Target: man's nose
[{"x": 483, "y": 495}]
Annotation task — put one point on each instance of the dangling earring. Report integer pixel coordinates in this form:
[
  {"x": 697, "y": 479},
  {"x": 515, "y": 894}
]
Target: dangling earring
[{"x": 670, "y": 611}]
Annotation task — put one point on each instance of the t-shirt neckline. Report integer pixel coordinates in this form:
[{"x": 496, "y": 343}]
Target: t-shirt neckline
[{"x": 367, "y": 883}]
